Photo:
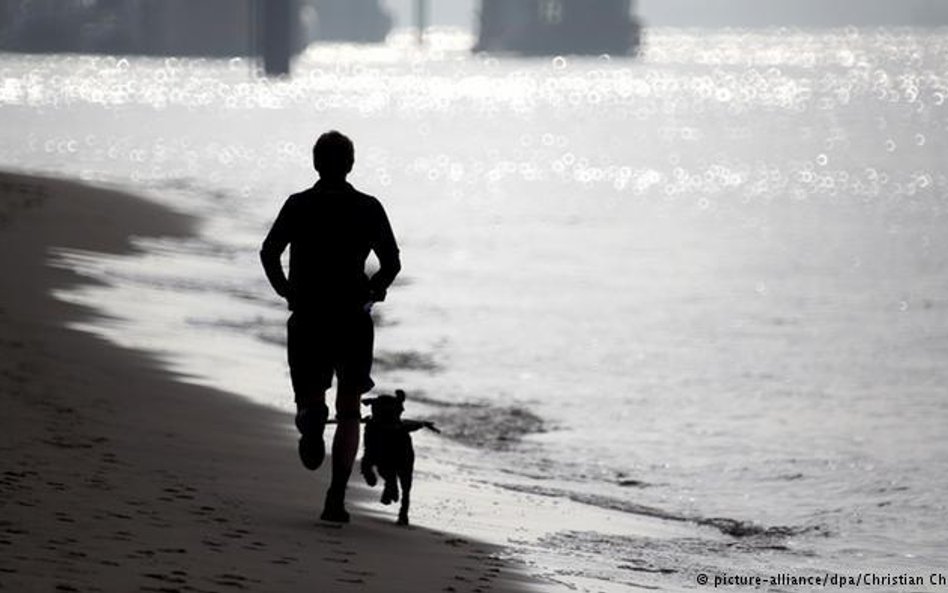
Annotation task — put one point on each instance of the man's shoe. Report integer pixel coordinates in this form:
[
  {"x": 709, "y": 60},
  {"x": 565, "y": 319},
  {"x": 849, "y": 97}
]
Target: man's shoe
[
  {"x": 335, "y": 509},
  {"x": 311, "y": 422},
  {"x": 336, "y": 514}
]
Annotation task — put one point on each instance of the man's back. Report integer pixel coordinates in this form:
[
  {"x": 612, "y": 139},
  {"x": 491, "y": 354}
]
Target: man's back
[{"x": 330, "y": 229}]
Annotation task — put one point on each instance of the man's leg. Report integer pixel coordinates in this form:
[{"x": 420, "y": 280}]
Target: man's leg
[
  {"x": 354, "y": 379},
  {"x": 311, "y": 418},
  {"x": 311, "y": 374},
  {"x": 345, "y": 445},
  {"x": 309, "y": 401}
]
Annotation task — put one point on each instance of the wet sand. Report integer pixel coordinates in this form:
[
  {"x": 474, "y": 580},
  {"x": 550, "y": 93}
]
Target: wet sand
[{"x": 117, "y": 477}]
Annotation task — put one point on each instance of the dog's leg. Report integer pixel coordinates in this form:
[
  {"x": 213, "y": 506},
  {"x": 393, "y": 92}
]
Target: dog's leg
[
  {"x": 390, "y": 492},
  {"x": 405, "y": 476},
  {"x": 367, "y": 472},
  {"x": 369, "y": 450}
]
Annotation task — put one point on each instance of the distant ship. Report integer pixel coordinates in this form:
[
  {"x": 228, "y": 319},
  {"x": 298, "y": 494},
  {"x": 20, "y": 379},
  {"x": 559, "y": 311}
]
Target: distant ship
[
  {"x": 794, "y": 13},
  {"x": 551, "y": 27},
  {"x": 359, "y": 21},
  {"x": 183, "y": 27}
]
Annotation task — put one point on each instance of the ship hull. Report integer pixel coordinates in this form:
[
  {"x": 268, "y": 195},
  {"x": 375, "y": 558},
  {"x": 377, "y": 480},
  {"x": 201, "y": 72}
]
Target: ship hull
[{"x": 553, "y": 27}]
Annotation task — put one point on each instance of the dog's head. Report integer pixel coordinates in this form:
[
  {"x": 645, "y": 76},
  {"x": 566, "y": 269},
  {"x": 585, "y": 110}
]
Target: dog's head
[{"x": 387, "y": 408}]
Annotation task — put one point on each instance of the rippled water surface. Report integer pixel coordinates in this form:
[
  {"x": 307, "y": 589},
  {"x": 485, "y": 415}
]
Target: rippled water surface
[{"x": 708, "y": 285}]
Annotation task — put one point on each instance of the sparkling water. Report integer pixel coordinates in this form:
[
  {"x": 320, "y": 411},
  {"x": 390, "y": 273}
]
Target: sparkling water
[{"x": 675, "y": 314}]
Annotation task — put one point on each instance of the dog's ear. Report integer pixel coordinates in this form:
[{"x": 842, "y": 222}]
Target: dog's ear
[
  {"x": 400, "y": 395},
  {"x": 369, "y": 401}
]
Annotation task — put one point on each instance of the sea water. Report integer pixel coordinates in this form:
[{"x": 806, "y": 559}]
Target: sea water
[{"x": 705, "y": 288}]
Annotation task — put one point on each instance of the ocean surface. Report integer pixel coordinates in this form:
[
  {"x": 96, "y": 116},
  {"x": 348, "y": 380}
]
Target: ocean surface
[{"x": 679, "y": 314}]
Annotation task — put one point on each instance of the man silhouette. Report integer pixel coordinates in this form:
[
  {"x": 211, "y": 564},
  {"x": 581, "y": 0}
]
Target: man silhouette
[{"x": 330, "y": 228}]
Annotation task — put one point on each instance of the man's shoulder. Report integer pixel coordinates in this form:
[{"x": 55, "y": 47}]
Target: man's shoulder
[
  {"x": 295, "y": 199},
  {"x": 362, "y": 201},
  {"x": 365, "y": 198},
  {"x": 344, "y": 188},
  {"x": 367, "y": 203}
]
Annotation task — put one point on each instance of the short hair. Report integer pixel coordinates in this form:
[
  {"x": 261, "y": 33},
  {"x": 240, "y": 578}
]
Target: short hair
[{"x": 333, "y": 154}]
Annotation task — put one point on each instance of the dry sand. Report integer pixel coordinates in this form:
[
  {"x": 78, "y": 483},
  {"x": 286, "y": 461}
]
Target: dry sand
[{"x": 116, "y": 477}]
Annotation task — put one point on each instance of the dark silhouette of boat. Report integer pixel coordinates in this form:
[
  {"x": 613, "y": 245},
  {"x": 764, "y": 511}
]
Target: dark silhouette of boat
[
  {"x": 358, "y": 21},
  {"x": 552, "y": 27},
  {"x": 186, "y": 27},
  {"x": 795, "y": 13}
]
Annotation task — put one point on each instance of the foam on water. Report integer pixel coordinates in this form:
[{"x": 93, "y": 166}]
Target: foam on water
[{"x": 706, "y": 288}]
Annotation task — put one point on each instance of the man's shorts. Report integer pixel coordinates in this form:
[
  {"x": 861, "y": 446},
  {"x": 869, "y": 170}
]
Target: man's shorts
[{"x": 322, "y": 344}]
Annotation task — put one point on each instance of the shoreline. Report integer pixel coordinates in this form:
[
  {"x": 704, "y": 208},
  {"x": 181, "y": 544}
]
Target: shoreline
[{"x": 117, "y": 477}]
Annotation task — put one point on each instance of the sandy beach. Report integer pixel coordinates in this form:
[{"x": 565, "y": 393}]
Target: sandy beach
[{"x": 117, "y": 477}]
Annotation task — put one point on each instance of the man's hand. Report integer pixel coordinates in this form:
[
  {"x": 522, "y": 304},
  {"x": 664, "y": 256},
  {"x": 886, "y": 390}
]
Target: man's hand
[
  {"x": 376, "y": 295},
  {"x": 290, "y": 297}
]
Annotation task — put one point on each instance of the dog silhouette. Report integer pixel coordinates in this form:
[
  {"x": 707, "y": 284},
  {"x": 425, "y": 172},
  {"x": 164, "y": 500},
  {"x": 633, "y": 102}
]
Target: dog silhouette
[{"x": 388, "y": 449}]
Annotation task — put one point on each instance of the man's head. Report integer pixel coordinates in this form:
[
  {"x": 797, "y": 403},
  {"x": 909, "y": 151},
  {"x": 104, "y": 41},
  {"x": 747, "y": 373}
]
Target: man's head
[{"x": 333, "y": 155}]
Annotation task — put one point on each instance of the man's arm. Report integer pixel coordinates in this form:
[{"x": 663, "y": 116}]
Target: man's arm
[
  {"x": 386, "y": 250},
  {"x": 271, "y": 251}
]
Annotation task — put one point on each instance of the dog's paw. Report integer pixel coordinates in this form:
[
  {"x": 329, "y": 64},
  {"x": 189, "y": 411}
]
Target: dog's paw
[
  {"x": 370, "y": 478},
  {"x": 402, "y": 519},
  {"x": 390, "y": 494}
]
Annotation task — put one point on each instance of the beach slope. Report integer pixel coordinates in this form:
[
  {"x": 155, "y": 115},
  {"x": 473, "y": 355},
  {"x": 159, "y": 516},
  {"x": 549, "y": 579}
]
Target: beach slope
[{"x": 116, "y": 477}]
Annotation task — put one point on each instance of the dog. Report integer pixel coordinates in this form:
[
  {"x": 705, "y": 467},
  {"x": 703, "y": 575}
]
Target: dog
[{"x": 388, "y": 448}]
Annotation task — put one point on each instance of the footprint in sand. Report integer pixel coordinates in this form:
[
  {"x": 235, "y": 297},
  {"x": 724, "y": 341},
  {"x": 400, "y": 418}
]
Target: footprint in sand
[
  {"x": 203, "y": 511},
  {"x": 120, "y": 515},
  {"x": 179, "y": 494},
  {"x": 64, "y": 518},
  {"x": 232, "y": 580},
  {"x": 213, "y": 544},
  {"x": 235, "y": 534},
  {"x": 165, "y": 578},
  {"x": 172, "y": 550}
]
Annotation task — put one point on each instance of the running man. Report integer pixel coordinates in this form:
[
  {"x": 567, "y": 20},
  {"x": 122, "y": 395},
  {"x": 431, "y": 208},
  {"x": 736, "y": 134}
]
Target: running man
[{"x": 330, "y": 228}]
